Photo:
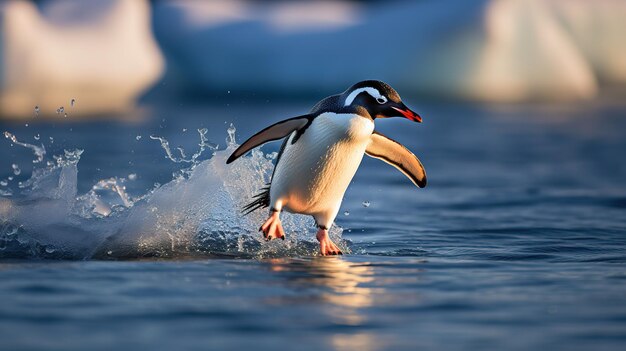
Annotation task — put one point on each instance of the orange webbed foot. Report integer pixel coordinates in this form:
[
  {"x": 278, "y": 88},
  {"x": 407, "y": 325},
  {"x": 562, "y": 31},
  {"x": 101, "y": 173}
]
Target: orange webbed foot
[
  {"x": 327, "y": 246},
  {"x": 272, "y": 228}
]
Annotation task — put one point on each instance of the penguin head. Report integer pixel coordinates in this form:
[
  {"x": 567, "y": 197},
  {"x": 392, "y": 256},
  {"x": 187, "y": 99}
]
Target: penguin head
[{"x": 378, "y": 99}]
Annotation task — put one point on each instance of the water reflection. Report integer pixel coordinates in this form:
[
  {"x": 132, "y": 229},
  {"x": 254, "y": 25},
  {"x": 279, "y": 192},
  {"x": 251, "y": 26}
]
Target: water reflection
[
  {"x": 334, "y": 280},
  {"x": 342, "y": 290},
  {"x": 360, "y": 341}
]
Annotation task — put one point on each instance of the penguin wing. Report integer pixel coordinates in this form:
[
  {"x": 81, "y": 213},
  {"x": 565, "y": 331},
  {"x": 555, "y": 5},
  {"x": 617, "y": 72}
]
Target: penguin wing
[
  {"x": 274, "y": 132},
  {"x": 397, "y": 155}
]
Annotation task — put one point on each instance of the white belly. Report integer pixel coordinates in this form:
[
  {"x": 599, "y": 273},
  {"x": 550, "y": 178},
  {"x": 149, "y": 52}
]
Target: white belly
[{"x": 314, "y": 173}]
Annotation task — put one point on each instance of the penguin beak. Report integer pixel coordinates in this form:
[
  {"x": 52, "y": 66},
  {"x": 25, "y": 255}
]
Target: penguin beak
[{"x": 407, "y": 113}]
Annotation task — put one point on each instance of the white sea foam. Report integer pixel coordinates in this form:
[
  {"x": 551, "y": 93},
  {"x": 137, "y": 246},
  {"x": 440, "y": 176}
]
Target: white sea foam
[{"x": 197, "y": 213}]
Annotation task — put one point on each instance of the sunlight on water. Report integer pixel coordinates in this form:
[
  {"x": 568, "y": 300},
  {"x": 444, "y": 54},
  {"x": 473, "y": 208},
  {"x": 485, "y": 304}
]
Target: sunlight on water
[{"x": 197, "y": 213}]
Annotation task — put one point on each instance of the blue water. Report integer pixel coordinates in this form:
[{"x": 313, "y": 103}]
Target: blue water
[{"x": 517, "y": 243}]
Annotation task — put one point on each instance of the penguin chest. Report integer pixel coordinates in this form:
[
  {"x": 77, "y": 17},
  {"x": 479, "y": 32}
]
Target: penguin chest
[{"x": 314, "y": 172}]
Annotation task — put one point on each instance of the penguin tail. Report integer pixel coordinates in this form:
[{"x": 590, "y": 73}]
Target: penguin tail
[{"x": 261, "y": 200}]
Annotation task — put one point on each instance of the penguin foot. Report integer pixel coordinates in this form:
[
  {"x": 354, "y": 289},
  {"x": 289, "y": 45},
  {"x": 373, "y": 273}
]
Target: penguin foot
[
  {"x": 327, "y": 246},
  {"x": 272, "y": 228}
]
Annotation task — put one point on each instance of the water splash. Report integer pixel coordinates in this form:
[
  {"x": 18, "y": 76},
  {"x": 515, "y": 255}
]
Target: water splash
[
  {"x": 70, "y": 157},
  {"x": 39, "y": 151},
  {"x": 198, "y": 214},
  {"x": 204, "y": 145},
  {"x": 16, "y": 169},
  {"x": 230, "y": 141},
  {"x": 366, "y": 204}
]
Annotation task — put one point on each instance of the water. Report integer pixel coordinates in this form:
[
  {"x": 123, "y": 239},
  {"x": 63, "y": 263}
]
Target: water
[{"x": 518, "y": 241}]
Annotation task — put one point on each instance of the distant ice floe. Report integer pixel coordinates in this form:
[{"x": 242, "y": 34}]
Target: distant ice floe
[
  {"x": 488, "y": 50},
  {"x": 103, "y": 54},
  {"x": 99, "y": 52}
]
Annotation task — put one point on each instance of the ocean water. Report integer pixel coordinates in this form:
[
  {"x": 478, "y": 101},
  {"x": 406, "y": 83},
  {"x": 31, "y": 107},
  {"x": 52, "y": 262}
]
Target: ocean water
[{"x": 517, "y": 243}]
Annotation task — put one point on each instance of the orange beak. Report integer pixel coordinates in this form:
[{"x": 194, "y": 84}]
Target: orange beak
[{"x": 408, "y": 114}]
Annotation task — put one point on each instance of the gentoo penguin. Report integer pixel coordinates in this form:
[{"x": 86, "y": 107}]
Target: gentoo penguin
[{"x": 322, "y": 152}]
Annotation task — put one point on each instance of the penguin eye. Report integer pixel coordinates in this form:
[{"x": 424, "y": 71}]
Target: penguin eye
[{"x": 381, "y": 99}]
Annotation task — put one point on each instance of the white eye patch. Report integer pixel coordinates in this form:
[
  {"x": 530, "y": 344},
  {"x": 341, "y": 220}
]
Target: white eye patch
[{"x": 372, "y": 91}]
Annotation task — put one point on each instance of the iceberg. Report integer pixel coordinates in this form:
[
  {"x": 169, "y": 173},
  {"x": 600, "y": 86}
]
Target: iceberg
[
  {"x": 100, "y": 53},
  {"x": 103, "y": 55},
  {"x": 488, "y": 50}
]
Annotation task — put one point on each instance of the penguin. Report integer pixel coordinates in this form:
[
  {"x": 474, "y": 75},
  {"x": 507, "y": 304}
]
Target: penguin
[{"x": 321, "y": 153}]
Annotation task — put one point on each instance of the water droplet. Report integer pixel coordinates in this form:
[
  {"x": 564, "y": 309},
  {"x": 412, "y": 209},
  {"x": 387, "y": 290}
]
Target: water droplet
[
  {"x": 51, "y": 140},
  {"x": 26, "y": 125},
  {"x": 65, "y": 115},
  {"x": 346, "y": 213},
  {"x": 37, "y": 137},
  {"x": 366, "y": 204},
  {"x": 229, "y": 91},
  {"x": 109, "y": 252},
  {"x": 231, "y": 134},
  {"x": 138, "y": 137},
  {"x": 184, "y": 130},
  {"x": 72, "y": 102},
  {"x": 10, "y": 178},
  {"x": 4, "y": 182},
  {"x": 132, "y": 176},
  {"x": 37, "y": 110},
  {"x": 16, "y": 169}
]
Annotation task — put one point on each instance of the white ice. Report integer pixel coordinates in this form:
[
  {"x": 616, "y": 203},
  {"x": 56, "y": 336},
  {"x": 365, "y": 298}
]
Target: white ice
[{"x": 100, "y": 52}]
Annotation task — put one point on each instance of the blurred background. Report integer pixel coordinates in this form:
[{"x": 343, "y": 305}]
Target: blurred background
[{"x": 110, "y": 55}]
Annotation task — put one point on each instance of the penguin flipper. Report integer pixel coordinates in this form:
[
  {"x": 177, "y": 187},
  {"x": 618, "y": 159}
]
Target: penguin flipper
[
  {"x": 274, "y": 132},
  {"x": 395, "y": 154}
]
